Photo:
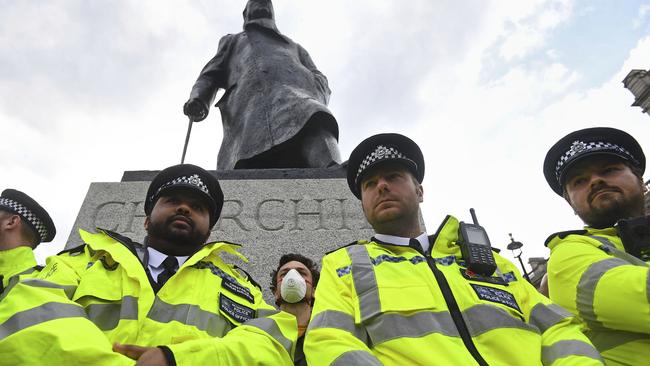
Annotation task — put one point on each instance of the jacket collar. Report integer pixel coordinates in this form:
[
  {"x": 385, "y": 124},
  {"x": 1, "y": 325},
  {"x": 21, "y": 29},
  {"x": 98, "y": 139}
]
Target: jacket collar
[
  {"x": 105, "y": 240},
  {"x": 402, "y": 241}
]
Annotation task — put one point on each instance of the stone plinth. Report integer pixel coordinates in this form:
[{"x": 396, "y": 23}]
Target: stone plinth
[
  {"x": 638, "y": 82},
  {"x": 270, "y": 212}
]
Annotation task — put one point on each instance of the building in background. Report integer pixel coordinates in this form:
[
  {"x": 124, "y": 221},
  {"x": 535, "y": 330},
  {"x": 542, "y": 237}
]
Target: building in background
[
  {"x": 538, "y": 269},
  {"x": 638, "y": 82}
]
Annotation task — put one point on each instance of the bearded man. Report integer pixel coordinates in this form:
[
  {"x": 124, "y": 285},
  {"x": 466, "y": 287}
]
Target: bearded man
[
  {"x": 601, "y": 273},
  {"x": 171, "y": 300}
]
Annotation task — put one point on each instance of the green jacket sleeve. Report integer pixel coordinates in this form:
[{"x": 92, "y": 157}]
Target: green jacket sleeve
[
  {"x": 38, "y": 323},
  {"x": 563, "y": 343},
  {"x": 332, "y": 335},
  {"x": 594, "y": 285},
  {"x": 266, "y": 340}
]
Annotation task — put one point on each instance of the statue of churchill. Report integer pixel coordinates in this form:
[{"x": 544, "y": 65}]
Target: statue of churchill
[{"x": 274, "y": 109}]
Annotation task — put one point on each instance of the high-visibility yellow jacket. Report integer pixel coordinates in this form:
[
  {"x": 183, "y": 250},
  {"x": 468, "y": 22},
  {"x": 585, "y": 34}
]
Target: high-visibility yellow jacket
[
  {"x": 382, "y": 304},
  {"x": 16, "y": 261},
  {"x": 591, "y": 275},
  {"x": 206, "y": 313},
  {"x": 40, "y": 325}
]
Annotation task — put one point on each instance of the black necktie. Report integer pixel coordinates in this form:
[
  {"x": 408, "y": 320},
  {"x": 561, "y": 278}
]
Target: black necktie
[
  {"x": 170, "y": 264},
  {"x": 414, "y": 243}
]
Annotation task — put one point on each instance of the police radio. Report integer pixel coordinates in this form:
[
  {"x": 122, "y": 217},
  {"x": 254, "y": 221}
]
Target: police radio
[
  {"x": 635, "y": 236},
  {"x": 475, "y": 247}
]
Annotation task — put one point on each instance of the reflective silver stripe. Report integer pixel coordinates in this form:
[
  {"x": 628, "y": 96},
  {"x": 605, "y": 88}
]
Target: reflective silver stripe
[
  {"x": 189, "y": 314},
  {"x": 390, "y": 326},
  {"x": 613, "y": 250},
  {"x": 483, "y": 318},
  {"x": 40, "y": 314},
  {"x": 261, "y": 313},
  {"x": 107, "y": 316},
  {"x": 339, "y": 320},
  {"x": 15, "y": 280},
  {"x": 357, "y": 358},
  {"x": 544, "y": 316},
  {"x": 604, "y": 341},
  {"x": 68, "y": 290},
  {"x": 365, "y": 282},
  {"x": 587, "y": 288},
  {"x": 567, "y": 348},
  {"x": 27, "y": 271},
  {"x": 270, "y": 327}
]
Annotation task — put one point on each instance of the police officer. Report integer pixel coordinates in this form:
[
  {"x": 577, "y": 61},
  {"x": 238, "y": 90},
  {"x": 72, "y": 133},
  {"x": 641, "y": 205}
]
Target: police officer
[
  {"x": 405, "y": 297},
  {"x": 174, "y": 289},
  {"x": 23, "y": 225},
  {"x": 36, "y": 324},
  {"x": 293, "y": 284},
  {"x": 601, "y": 273}
]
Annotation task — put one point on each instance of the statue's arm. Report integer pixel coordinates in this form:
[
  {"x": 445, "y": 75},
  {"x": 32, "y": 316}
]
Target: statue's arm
[
  {"x": 319, "y": 77},
  {"x": 212, "y": 77}
]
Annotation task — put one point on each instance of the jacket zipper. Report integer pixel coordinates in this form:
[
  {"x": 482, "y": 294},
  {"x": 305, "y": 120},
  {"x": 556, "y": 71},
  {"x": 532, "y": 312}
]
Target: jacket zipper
[{"x": 455, "y": 313}]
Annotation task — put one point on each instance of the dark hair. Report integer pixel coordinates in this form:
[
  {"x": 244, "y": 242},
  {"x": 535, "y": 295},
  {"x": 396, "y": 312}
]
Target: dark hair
[{"x": 310, "y": 264}]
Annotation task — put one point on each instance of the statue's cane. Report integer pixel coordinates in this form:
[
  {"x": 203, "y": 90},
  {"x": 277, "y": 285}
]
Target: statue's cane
[{"x": 187, "y": 139}]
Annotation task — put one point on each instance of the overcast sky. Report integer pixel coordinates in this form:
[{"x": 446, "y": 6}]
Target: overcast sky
[{"x": 89, "y": 89}]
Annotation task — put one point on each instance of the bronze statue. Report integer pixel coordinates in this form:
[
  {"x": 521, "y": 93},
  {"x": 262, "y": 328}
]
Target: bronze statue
[{"x": 274, "y": 110}]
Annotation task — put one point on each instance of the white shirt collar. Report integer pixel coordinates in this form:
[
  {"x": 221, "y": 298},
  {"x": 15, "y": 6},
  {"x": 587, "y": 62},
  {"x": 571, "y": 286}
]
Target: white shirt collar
[
  {"x": 156, "y": 258},
  {"x": 402, "y": 241}
]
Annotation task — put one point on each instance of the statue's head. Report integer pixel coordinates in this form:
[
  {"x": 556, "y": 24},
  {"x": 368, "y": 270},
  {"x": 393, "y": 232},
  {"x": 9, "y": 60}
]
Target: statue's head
[{"x": 258, "y": 9}]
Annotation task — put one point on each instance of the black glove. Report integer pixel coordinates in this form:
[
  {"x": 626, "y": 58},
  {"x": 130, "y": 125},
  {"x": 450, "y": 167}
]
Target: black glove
[{"x": 195, "y": 109}]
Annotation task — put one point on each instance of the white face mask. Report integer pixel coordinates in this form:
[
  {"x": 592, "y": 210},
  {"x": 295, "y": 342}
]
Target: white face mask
[{"x": 293, "y": 287}]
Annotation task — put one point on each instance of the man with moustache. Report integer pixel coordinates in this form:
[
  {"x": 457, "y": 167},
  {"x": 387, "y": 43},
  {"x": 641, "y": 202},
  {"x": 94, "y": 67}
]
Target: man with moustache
[
  {"x": 173, "y": 300},
  {"x": 293, "y": 284},
  {"x": 601, "y": 273},
  {"x": 406, "y": 298},
  {"x": 274, "y": 109}
]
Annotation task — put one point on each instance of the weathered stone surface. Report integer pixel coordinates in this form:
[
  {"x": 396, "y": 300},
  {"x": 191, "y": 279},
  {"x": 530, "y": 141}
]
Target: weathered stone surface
[{"x": 269, "y": 217}]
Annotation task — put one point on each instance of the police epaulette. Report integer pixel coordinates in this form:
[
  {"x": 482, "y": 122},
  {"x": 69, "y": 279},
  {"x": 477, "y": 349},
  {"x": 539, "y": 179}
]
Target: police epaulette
[
  {"x": 347, "y": 245},
  {"x": 225, "y": 242},
  {"x": 564, "y": 234},
  {"x": 248, "y": 277},
  {"x": 73, "y": 251}
]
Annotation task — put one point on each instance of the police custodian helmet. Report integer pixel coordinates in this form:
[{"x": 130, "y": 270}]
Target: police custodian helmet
[
  {"x": 186, "y": 176},
  {"x": 585, "y": 143},
  {"x": 31, "y": 212},
  {"x": 379, "y": 149}
]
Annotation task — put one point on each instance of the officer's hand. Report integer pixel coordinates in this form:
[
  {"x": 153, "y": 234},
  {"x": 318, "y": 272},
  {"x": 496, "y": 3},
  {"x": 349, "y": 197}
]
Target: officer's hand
[
  {"x": 146, "y": 356},
  {"x": 196, "y": 109}
]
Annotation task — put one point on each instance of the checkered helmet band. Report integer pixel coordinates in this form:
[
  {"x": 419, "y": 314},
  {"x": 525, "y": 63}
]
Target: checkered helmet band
[
  {"x": 27, "y": 214},
  {"x": 579, "y": 148},
  {"x": 193, "y": 180},
  {"x": 381, "y": 152}
]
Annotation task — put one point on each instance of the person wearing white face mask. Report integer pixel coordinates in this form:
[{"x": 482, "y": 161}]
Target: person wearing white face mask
[{"x": 293, "y": 284}]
